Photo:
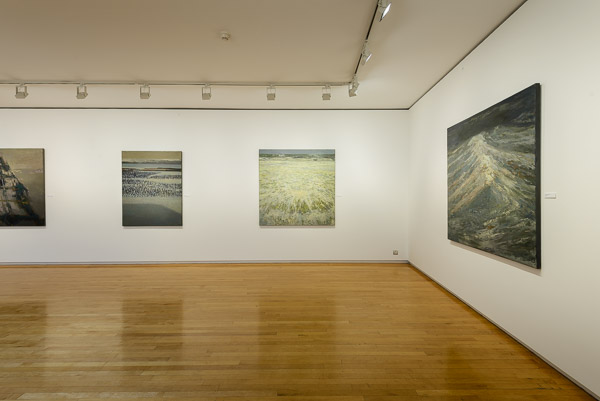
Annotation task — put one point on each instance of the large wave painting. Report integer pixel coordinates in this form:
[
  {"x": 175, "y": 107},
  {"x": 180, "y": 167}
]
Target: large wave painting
[{"x": 494, "y": 179}]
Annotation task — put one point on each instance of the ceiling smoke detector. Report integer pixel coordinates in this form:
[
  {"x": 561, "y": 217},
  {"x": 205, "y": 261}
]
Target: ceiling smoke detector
[{"x": 225, "y": 35}]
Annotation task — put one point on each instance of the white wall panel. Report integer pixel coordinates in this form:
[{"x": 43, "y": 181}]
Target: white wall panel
[
  {"x": 220, "y": 184},
  {"x": 555, "y": 310}
]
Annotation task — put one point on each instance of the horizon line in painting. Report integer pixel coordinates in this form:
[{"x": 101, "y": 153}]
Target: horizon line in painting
[
  {"x": 494, "y": 179},
  {"x": 297, "y": 187},
  {"x": 22, "y": 187},
  {"x": 152, "y": 188}
]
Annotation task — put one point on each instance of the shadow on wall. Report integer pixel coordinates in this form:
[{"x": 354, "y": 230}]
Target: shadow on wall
[{"x": 532, "y": 270}]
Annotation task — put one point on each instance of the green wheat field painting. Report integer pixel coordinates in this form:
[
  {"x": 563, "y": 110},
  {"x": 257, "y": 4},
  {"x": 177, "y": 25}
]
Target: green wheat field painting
[{"x": 297, "y": 187}]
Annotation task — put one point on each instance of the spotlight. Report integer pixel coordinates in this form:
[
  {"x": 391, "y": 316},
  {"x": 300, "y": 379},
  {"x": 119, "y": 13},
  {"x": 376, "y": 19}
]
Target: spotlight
[
  {"x": 353, "y": 87},
  {"x": 365, "y": 55},
  {"x": 144, "y": 92},
  {"x": 21, "y": 91},
  {"x": 327, "y": 92},
  {"x": 384, "y": 8},
  {"x": 81, "y": 91},
  {"x": 206, "y": 92},
  {"x": 271, "y": 92}
]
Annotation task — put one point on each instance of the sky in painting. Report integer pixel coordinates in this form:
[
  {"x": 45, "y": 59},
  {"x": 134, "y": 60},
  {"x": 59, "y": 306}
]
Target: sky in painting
[
  {"x": 297, "y": 151},
  {"x": 138, "y": 156},
  {"x": 24, "y": 158}
]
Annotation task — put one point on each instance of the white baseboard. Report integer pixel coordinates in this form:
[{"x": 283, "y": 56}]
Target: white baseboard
[{"x": 200, "y": 262}]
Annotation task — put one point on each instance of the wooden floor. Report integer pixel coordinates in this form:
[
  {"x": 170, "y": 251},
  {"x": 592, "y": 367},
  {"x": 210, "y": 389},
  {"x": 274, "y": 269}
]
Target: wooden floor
[{"x": 255, "y": 332}]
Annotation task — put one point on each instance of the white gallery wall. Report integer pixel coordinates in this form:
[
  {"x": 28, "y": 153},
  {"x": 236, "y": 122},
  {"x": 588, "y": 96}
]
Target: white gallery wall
[
  {"x": 391, "y": 184},
  {"x": 555, "y": 311},
  {"x": 220, "y": 185}
]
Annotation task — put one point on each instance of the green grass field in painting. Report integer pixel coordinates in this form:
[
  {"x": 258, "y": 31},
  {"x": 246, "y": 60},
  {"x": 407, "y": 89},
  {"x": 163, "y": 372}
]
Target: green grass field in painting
[{"x": 297, "y": 189}]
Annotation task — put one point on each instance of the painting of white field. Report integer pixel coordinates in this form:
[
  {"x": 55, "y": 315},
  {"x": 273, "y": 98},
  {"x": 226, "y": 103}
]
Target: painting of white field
[{"x": 297, "y": 187}]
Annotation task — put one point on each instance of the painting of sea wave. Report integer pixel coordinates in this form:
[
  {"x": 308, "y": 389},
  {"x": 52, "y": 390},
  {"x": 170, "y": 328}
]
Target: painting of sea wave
[{"x": 493, "y": 179}]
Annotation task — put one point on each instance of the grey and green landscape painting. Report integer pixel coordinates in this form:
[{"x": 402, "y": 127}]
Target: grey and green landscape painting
[
  {"x": 22, "y": 187},
  {"x": 152, "y": 188},
  {"x": 493, "y": 179},
  {"x": 297, "y": 187}
]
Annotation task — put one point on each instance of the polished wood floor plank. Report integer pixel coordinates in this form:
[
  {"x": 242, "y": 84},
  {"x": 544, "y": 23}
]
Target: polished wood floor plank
[{"x": 233, "y": 332}]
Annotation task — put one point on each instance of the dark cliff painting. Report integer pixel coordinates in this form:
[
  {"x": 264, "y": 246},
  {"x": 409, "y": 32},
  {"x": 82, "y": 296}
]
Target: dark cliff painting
[
  {"x": 22, "y": 187},
  {"x": 152, "y": 188},
  {"x": 494, "y": 179}
]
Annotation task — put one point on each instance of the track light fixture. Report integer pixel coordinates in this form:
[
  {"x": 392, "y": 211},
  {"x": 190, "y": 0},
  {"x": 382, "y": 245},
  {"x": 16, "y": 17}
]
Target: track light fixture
[
  {"x": 21, "y": 91},
  {"x": 327, "y": 92},
  {"x": 366, "y": 54},
  {"x": 81, "y": 91},
  {"x": 384, "y": 8},
  {"x": 270, "y": 92},
  {"x": 206, "y": 92},
  {"x": 145, "y": 92},
  {"x": 205, "y": 87},
  {"x": 353, "y": 86}
]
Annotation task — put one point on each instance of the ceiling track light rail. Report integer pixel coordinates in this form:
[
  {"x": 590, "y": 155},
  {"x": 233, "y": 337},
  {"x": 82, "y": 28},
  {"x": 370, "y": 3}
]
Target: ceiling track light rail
[
  {"x": 21, "y": 89},
  {"x": 382, "y": 9},
  {"x": 178, "y": 83}
]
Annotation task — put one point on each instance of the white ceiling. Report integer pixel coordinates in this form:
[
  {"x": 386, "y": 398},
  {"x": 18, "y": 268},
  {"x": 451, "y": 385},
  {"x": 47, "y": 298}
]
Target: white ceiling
[{"x": 272, "y": 41}]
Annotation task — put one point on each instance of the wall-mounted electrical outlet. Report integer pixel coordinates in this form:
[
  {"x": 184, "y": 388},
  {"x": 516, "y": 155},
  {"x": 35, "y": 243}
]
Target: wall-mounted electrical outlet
[{"x": 395, "y": 252}]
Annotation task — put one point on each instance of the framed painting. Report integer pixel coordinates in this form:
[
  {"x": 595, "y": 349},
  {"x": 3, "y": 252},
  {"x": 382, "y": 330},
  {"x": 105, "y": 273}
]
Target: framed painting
[
  {"x": 297, "y": 187},
  {"x": 22, "y": 187},
  {"x": 152, "y": 188},
  {"x": 494, "y": 179}
]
